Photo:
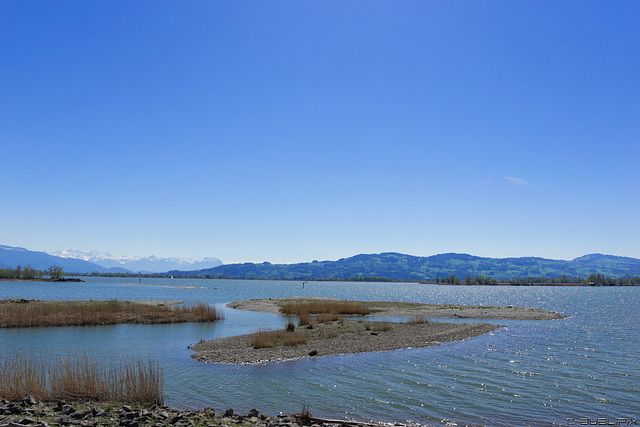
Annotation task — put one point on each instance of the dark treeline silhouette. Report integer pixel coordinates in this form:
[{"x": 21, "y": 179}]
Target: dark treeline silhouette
[
  {"x": 55, "y": 273},
  {"x": 20, "y": 273},
  {"x": 595, "y": 279}
]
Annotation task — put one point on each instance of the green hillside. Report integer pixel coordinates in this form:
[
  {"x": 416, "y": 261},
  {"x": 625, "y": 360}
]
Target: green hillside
[{"x": 407, "y": 267}]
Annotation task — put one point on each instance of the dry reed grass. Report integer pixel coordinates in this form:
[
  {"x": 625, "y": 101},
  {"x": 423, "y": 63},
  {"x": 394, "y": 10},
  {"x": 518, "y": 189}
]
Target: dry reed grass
[
  {"x": 321, "y": 307},
  {"x": 328, "y": 333},
  {"x": 418, "y": 320},
  {"x": 327, "y": 317},
  {"x": 89, "y": 313},
  {"x": 268, "y": 339},
  {"x": 381, "y": 326},
  {"x": 79, "y": 379},
  {"x": 304, "y": 318}
]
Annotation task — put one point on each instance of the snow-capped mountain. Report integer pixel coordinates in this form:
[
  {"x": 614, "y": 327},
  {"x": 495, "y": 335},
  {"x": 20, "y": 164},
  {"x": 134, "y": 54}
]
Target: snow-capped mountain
[
  {"x": 150, "y": 264},
  {"x": 12, "y": 257}
]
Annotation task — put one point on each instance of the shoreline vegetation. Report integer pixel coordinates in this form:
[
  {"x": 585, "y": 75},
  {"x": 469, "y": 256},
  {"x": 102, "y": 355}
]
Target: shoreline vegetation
[
  {"x": 323, "y": 329},
  {"x": 24, "y": 313},
  {"x": 525, "y": 281},
  {"x": 79, "y": 379},
  {"x": 592, "y": 280},
  {"x": 78, "y": 391},
  {"x": 56, "y": 274}
]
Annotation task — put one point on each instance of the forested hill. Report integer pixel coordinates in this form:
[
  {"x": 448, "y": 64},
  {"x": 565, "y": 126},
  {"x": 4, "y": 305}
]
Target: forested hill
[{"x": 408, "y": 267}]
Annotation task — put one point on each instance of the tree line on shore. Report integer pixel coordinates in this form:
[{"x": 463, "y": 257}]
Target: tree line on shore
[
  {"x": 28, "y": 273},
  {"x": 595, "y": 279}
]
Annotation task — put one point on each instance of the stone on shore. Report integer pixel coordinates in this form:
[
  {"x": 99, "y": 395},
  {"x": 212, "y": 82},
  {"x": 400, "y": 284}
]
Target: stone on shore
[{"x": 30, "y": 412}]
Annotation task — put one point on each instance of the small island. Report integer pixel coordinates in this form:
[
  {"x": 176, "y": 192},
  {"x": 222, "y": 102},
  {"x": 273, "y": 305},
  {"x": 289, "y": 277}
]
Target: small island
[{"x": 324, "y": 328}]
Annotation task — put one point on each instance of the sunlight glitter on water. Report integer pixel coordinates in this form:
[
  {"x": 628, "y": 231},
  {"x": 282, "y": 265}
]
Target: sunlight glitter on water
[{"x": 542, "y": 371}]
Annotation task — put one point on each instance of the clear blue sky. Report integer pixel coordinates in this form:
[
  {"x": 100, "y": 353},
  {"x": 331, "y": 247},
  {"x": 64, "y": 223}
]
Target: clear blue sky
[{"x": 289, "y": 131}]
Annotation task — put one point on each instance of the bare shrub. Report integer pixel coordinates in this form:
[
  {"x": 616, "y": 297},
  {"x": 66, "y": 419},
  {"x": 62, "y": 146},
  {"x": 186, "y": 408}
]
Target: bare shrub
[
  {"x": 328, "y": 333},
  {"x": 381, "y": 326},
  {"x": 268, "y": 339},
  {"x": 326, "y": 317},
  {"x": 305, "y": 416},
  {"x": 417, "y": 320},
  {"x": 304, "y": 318}
]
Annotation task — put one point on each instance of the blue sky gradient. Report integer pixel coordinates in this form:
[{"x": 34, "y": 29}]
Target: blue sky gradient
[{"x": 291, "y": 131}]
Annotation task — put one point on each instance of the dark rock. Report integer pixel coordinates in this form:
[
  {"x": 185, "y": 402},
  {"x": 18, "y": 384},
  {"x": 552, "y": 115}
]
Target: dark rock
[
  {"x": 374, "y": 333},
  {"x": 67, "y": 410},
  {"x": 12, "y": 409},
  {"x": 175, "y": 419},
  {"x": 81, "y": 415},
  {"x": 228, "y": 412},
  {"x": 313, "y": 353},
  {"x": 163, "y": 415},
  {"x": 29, "y": 401},
  {"x": 253, "y": 413}
]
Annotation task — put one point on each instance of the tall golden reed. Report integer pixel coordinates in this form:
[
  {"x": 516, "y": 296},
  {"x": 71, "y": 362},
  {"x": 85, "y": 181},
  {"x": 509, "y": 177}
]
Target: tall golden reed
[
  {"x": 79, "y": 378},
  {"x": 317, "y": 307},
  {"x": 91, "y": 313}
]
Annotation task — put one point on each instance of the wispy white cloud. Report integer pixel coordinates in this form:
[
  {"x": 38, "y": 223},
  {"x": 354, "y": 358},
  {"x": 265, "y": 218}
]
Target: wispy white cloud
[{"x": 516, "y": 181}]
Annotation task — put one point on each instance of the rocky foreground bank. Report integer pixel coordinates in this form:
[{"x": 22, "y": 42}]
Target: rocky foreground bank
[{"x": 30, "y": 412}]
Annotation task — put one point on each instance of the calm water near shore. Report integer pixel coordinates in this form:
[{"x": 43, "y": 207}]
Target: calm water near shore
[{"x": 530, "y": 373}]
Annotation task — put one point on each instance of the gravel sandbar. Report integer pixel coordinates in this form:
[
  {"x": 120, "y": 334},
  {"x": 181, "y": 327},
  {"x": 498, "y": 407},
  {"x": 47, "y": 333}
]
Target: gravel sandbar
[
  {"x": 360, "y": 336},
  {"x": 411, "y": 309},
  {"x": 340, "y": 337}
]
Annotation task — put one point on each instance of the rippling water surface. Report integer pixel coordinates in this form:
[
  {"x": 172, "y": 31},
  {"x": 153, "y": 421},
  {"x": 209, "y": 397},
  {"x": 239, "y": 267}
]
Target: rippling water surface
[{"x": 528, "y": 373}]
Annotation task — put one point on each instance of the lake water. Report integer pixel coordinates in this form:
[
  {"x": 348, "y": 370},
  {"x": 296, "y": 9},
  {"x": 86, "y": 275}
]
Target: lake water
[{"x": 529, "y": 373}]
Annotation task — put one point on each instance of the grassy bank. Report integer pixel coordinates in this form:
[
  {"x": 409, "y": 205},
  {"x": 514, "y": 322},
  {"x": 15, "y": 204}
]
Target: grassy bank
[
  {"x": 32, "y": 313},
  {"x": 79, "y": 379}
]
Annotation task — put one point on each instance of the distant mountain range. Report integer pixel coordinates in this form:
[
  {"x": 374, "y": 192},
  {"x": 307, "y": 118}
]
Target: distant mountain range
[
  {"x": 390, "y": 265},
  {"x": 91, "y": 262},
  {"x": 150, "y": 264},
  {"x": 12, "y": 257},
  {"x": 408, "y": 267}
]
